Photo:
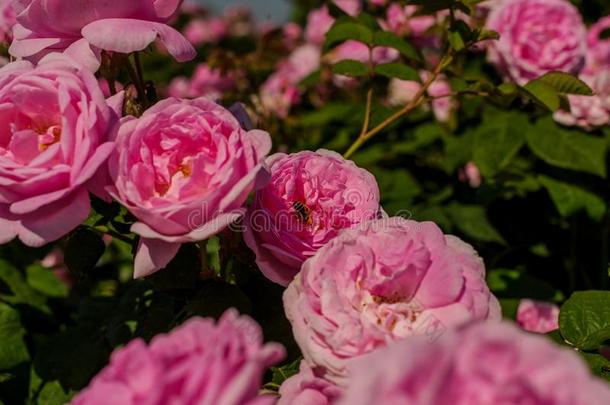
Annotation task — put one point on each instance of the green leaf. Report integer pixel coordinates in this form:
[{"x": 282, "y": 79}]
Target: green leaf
[
  {"x": 343, "y": 31},
  {"x": 391, "y": 40},
  {"x": 284, "y": 372},
  {"x": 83, "y": 250},
  {"x": 566, "y": 148},
  {"x": 456, "y": 41},
  {"x": 19, "y": 292},
  {"x": 599, "y": 365},
  {"x": 584, "y": 319},
  {"x": 566, "y": 83},
  {"x": 13, "y": 350},
  {"x": 398, "y": 71},
  {"x": 543, "y": 94},
  {"x": 570, "y": 199},
  {"x": 498, "y": 140},
  {"x": 473, "y": 222},
  {"x": 351, "y": 68},
  {"x": 44, "y": 281}
]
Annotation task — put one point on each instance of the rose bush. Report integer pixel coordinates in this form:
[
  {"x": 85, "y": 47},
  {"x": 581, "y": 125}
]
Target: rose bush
[{"x": 422, "y": 169}]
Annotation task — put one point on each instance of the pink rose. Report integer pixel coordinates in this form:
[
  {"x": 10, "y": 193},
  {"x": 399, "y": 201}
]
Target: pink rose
[
  {"x": 401, "y": 92},
  {"x": 381, "y": 282},
  {"x": 56, "y": 134},
  {"x": 311, "y": 196},
  {"x": 478, "y": 364},
  {"x": 401, "y": 20},
  {"x": 184, "y": 169},
  {"x": 83, "y": 27},
  {"x": 537, "y": 316},
  {"x": 598, "y": 49},
  {"x": 199, "y": 362},
  {"x": 470, "y": 174},
  {"x": 205, "y": 31},
  {"x": 319, "y": 22},
  {"x": 281, "y": 90},
  {"x": 8, "y": 18},
  {"x": 306, "y": 388},
  {"x": 536, "y": 37},
  {"x": 206, "y": 82},
  {"x": 351, "y": 7},
  {"x": 589, "y": 112}
]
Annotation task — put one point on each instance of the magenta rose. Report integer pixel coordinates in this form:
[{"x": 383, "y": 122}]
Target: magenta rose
[
  {"x": 537, "y": 316},
  {"x": 184, "y": 169},
  {"x": 306, "y": 388},
  {"x": 55, "y": 135},
  {"x": 200, "y": 362},
  {"x": 478, "y": 364},
  {"x": 536, "y": 37},
  {"x": 381, "y": 282},
  {"x": 84, "y": 27},
  {"x": 311, "y": 196}
]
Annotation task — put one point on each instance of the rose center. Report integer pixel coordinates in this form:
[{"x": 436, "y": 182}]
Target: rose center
[{"x": 48, "y": 137}]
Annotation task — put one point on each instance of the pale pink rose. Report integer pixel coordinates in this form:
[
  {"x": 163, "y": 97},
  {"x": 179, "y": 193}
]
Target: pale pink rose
[
  {"x": 184, "y": 169},
  {"x": 206, "y": 82},
  {"x": 281, "y": 90},
  {"x": 306, "y": 388},
  {"x": 55, "y": 137},
  {"x": 8, "y": 18},
  {"x": 202, "y": 31},
  {"x": 598, "y": 49},
  {"x": 200, "y": 362},
  {"x": 478, "y": 364},
  {"x": 537, "y": 316},
  {"x": 380, "y": 282},
  {"x": 333, "y": 194},
  {"x": 470, "y": 174},
  {"x": 401, "y": 92},
  {"x": 590, "y": 112},
  {"x": 319, "y": 22},
  {"x": 83, "y": 27},
  {"x": 536, "y": 37}
]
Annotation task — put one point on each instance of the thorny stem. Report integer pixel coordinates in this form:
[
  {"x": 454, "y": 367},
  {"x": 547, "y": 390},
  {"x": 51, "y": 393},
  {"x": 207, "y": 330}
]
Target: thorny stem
[{"x": 417, "y": 100}]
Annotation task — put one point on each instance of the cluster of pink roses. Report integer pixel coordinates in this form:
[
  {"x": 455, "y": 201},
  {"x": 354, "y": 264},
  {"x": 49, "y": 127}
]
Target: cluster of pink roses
[{"x": 384, "y": 310}]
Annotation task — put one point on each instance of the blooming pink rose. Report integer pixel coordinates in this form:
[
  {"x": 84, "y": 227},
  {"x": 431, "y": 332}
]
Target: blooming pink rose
[
  {"x": 205, "y": 31},
  {"x": 306, "y": 388},
  {"x": 199, "y": 362},
  {"x": 55, "y": 135},
  {"x": 319, "y": 22},
  {"x": 381, "y": 282},
  {"x": 537, "y": 316},
  {"x": 184, "y": 169},
  {"x": 478, "y": 364},
  {"x": 536, "y": 37},
  {"x": 311, "y": 196},
  {"x": 8, "y": 18},
  {"x": 83, "y": 27},
  {"x": 206, "y": 82}
]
